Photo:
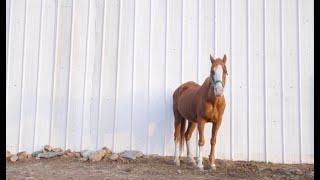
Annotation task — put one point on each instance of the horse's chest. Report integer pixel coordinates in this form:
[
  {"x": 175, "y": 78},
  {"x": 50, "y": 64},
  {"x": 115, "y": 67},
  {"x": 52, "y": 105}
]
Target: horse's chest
[{"x": 211, "y": 112}]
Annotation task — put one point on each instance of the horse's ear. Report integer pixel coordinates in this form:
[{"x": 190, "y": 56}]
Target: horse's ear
[
  {"x": 211, "y": 59},
  {"x": 224, "y": 58}
]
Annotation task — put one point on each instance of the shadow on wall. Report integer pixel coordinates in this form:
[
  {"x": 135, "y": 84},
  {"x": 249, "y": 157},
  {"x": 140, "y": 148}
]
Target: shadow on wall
[{"x": 149, "y": 127}]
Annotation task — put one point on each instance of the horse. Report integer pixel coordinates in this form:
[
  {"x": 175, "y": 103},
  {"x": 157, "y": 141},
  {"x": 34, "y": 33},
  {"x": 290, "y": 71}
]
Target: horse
[{"x": 200, "y": 105}]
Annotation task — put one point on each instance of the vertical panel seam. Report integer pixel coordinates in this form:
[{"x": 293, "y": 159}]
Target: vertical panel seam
[
  {"x": 69, "y": 74},
  {"x": 198, "y": 64},
  {"x": 85, "y": 77},
  {"x": 22, "y": 76},
  {"x": 214, "y": 29},
  {"x": 181, "y": 75},
  {"x": 132, "y": 75},
  {"x": 248, "y": 80},
  {"x": 117, "y": 83},
  {"x": 282, "y": 90},
  {"x": 265, "y": 83},
  {"x": 231, "y": 80},
  {"x": 37, "y": 80},
  {"x": 8, "y": 45},
  {"x": 53, "y": 69},
  {"x": 149, "y": 74},
  {"x": 299, "y": 82},
  {"x": 165, "y": 79},
  {"x": 100, "y": 80}
]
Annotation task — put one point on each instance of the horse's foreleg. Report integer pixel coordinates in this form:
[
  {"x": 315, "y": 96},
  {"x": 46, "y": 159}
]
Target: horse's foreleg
[
  {"x": 215, "y": 129},
  {"x": 201, "y": 124},
  {"x": 188, "y": 134}
]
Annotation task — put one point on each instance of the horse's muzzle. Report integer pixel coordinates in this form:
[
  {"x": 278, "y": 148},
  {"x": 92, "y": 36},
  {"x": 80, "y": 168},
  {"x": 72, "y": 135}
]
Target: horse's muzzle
[{"x": 218, "y": 91}]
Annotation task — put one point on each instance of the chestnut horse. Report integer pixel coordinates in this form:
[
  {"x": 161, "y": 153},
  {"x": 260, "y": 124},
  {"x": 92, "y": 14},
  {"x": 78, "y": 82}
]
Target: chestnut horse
[{"x": 199, "y": 105}]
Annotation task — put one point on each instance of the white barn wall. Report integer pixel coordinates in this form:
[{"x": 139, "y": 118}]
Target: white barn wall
[{"x": 87, "y": 74}]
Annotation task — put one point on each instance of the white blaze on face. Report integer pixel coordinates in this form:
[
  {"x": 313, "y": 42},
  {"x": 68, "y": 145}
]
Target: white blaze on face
[{"x": 218, "y": 87}]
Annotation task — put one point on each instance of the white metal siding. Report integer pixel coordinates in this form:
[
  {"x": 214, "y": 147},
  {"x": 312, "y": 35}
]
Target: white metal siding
[{"x": 85, "y": 74}]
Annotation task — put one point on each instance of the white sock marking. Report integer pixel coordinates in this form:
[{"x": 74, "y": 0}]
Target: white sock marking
[
  {"x": 200, "y": 157},
  {"x": 176, "y": 156}
]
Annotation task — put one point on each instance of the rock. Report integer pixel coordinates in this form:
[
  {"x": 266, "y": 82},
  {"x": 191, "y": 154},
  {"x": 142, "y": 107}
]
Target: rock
[
  {"x": 14, "y": 158},
  {"x": 23, "y": 155},
  {"x": 68, "y": 151},
  {"x": 131, "y": 154},
  {"x": 97, "y": 156},
  {"x": 78, "y": 155},
  {"x": 8, "y": 154},
  {"x": 47, "y": 148},
  {"x": 37, "y": 158},
  {"x": 69, "y": 154},
  {"x": 86, "y": 153},
  {"x": 49, "y": 154},
  {"x": 29, "y": 178},
  {"x": 57, "y": 150},
  {"x": 114, "y": 157},
  {"x": 297, "y": 172},
  {"x": 84, "y": 159},
  {"x": 310, "y": 175},
  {"x": 35, "y": 154},
  {"x": 179, "y": 171},
  {"x": 154, "y": 156},
  {"x": 108, "y": 151}
]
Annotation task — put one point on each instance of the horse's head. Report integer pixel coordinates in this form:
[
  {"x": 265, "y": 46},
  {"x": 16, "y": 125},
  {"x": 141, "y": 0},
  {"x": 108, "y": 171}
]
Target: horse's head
[{"x": 218, "y": 74}]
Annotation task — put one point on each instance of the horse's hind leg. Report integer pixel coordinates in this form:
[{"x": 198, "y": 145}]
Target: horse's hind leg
[
  {"x": 178, "y": 123},
  {"x": 177, "y": 127},
  {"x": 188, "y": 134}
]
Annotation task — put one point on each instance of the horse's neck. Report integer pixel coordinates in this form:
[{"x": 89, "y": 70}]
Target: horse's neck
[{"x": 208, "y": 93}]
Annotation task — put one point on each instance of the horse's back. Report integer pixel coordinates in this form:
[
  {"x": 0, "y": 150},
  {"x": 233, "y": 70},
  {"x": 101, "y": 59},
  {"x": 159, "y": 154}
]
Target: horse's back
[{"x": 183, "y": 87}]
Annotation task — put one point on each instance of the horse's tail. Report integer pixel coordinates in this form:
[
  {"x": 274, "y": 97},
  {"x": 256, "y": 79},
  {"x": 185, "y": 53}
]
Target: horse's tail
[
  {"x": 182, "y": 132},
  {"x": 179, "y": 120}
]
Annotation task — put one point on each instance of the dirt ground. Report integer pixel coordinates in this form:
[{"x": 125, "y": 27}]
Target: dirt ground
[{"x": 152, "y": 168}]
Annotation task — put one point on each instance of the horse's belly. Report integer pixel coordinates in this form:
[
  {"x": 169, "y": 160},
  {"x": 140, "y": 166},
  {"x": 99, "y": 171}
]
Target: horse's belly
[{"x": 186, "y": 108}]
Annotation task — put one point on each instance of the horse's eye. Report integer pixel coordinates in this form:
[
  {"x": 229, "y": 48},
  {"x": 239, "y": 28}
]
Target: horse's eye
[{"x": 212, "y": 72}]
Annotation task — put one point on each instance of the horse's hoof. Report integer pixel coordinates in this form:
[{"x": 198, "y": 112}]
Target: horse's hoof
[
  {"x": 177, "y": 163},
  {"x": 192, "y": 161},
  {"x": 213, "y": 167},
  {"x": 200, "y": 166}
]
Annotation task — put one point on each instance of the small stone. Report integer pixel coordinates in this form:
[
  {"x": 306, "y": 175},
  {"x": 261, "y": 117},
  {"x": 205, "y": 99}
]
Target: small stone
[
  {"x": 8, "y": 154},
  {"x": 108, "y": 151},
  {"x": 35, "y": 154},
  {"x": 97, "y": 156},
  {"x": 78, "y": 155},
  {"x": 68, "y": 151},
  {"x": 86, "y": 153},
  {"x": 23, "y": 155},
  {"x": 57, "y": 150},
  {"x": 179, "y": 171},
  {"x": 14, "y": 158},
  {"x": 84, "y": 159},
  {"x": 131, "y": 154},
  {"x": 69, "y": 154},
  {"x": 310, "y": 175},
  {"x": 37, "y": 158},
  {"x": 114, "y": 157},
  {"x": 29, "y": 178},
  {"x": 50, "y": 154},
  {"x": 47, "y": 148},
  {"x": 297, "y": 172}
]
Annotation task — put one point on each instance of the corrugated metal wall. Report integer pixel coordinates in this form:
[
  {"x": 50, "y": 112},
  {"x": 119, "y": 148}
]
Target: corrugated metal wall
[{"x": 85, "y": 74}]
